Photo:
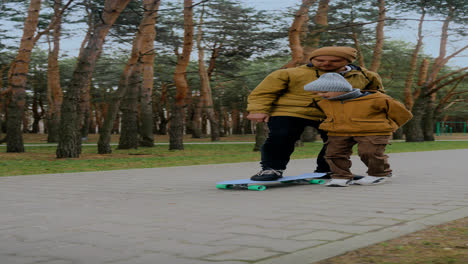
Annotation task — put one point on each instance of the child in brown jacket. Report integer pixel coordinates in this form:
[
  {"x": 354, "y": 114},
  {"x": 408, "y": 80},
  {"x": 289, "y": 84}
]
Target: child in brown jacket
[{"x": 354, "y": 117}]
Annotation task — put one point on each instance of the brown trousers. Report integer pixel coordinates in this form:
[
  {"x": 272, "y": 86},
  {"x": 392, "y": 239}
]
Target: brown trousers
[{"x": 371, "y": 150}]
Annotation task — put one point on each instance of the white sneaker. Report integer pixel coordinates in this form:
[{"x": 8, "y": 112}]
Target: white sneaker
[
  {"x": 370, "y": 180},
  {"x": 338, "y": 183}
]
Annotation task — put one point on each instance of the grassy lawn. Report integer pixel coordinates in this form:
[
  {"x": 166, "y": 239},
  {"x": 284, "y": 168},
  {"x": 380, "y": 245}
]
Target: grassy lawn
[
  {"x": 442, "y": 244},
  {"x": 42, "y": 159}
]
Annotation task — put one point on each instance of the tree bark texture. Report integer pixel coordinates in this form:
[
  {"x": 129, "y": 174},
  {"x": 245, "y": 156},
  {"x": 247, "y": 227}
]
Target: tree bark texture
[
  {"x": 84, "y": 110},
  {"x": 312, "y": 40},
  {"x": 70, "y": 138},
  {"x": 176, "y": 129},
  {"x": 17, "y": 79},
  {"x": 148, "y": 32},
  {"x": 379, "y": 38},
  {"x": 428, "y": 121},
  {"x": 261, "y": 134},
  {"x": 357, "y": 45},
  {"x": 414, "y": 128},
  {"x": 296, "y": 34},
  {"x": 54, "y": 89},
  {"x": 159, "y": 104},
  {"x": 124, "y": 83},
  {"x": 408, "y": 91},
  {"x": 247, "y": 124},
  {"x": 129, "y": 136},
  {"x": 197, "y": 112},
  {"x": 309, "y": 134},
  {"x": 206, "y": 99},
  {"x": 236, "y": 121},
  {"x": 37, "y": 107}
]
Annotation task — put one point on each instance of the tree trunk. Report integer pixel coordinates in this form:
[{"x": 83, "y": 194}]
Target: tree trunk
[
  {"x": 439, "y": 62},
  {"x": 129, "y": 136},
  {"x": 357, "y": 45},
  {"x": 196, "y": 119},
  {"x": 17, "y": 78},
  {"x": 206, "y": 98},
  {"x": 312, "y": 40},
  {"x": 398, "y": 134},
  {"x": 161, "y": 105},
  {"x": 296, "y": 33},
  {"x": 236, "y": 123},
  {"x": 379, "y": 38},
  {"x": 414, "y": 129},
  {"x": 408, "y": 91},
  {"x": 36, "y": 102},
  {"x": 214, "y": 55},
  {"x": 261, "y": 134},
  {"x": 176, "y": 129},
  {"x": 93, "y": 118},
  {"x": 246, "y": 123},
  {"x": 85, "y": 112},
  {"x": 148, "y": 33},
  {"x": 428, "y": 121},
  {"x": 101, "y": 111},
  {"x": 70, "y": 141},
  {"x": 124, "y": 83},
  {"x": 309, "y": 134},
  {"x": 54, "y": 90}
]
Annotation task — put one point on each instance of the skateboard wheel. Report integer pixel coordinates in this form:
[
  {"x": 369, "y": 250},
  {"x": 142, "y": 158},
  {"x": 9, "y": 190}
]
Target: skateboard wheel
[
  {"x": 224, "y": 186},
  {"x": 256, "y": 187},
  {"x": 317, "y": 181}
]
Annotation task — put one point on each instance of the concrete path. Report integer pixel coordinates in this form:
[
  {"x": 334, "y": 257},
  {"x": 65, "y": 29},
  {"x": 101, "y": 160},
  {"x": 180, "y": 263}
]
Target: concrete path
[{"x": 177, "y": 216}]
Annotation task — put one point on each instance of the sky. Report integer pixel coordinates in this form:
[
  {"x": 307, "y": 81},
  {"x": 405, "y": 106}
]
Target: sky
[{"x": 406, "y": 33}]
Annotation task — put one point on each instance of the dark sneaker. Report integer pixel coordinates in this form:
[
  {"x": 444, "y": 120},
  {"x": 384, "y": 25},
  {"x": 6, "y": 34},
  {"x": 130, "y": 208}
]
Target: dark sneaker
[{"x": 267, "y": 175}]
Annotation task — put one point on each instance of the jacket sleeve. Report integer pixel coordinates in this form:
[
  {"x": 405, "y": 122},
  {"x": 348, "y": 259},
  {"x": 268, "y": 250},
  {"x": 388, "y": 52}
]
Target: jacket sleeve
[
  {"x": 262, "y": 97},
  {"x": 397, "y": 112},
  {"x": 376, "y": 82}
]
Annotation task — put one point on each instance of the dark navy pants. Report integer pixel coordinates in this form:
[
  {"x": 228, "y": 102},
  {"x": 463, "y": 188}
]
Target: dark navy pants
[{"x": 284, "y": 132}]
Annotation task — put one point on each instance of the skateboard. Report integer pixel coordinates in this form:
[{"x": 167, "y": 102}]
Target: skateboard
[{"x": 248, "y": 184}]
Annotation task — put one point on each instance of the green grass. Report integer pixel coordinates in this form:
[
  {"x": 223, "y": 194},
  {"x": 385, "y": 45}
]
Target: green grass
[{"x": 41, "y": 160}]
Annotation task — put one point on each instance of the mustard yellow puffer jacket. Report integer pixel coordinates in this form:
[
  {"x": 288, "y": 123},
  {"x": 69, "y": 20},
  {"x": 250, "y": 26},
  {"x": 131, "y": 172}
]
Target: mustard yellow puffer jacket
[
  {"x": 282, "y": 93},
  {"x": 373, "y": 114}
]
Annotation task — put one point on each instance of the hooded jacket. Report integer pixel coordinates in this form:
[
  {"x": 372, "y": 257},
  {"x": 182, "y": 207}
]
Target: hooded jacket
[
  {"x": 282, "y": 93},
  {"x": 372, "y": 114}
]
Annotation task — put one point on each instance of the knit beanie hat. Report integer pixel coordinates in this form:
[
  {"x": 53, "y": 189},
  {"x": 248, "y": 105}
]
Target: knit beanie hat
[
  {"x": 344, "y": 52},
  {"x": 329, "y": 82}
]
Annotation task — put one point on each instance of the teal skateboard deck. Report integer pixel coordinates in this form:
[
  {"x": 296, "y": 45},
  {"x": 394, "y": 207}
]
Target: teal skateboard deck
[{"x": 310, "y": 178}]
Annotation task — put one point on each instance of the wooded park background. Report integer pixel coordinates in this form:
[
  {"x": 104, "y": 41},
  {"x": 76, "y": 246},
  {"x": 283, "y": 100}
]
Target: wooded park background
[{"x": 173, "y": 67}]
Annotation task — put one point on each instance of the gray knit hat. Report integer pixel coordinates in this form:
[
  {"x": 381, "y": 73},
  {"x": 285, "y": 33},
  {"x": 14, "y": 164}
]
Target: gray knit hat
[{"x": 329, "y": 82}]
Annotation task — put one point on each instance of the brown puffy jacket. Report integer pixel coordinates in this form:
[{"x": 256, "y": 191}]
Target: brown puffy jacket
[
  {"x": 282, "y": 92},
  {"x": 373, "y": 114}
]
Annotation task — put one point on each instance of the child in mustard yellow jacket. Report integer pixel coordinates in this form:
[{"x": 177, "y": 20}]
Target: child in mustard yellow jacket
[{"x": 353, "y": 117}]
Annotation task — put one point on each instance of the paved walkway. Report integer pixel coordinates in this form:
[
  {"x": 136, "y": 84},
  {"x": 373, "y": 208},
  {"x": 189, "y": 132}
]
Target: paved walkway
[{"x": 177, "y": 216}]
